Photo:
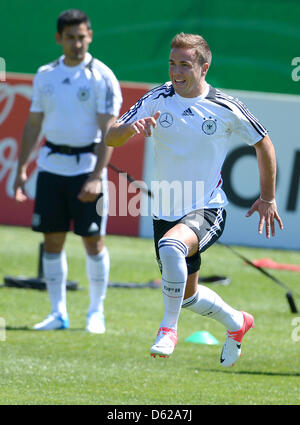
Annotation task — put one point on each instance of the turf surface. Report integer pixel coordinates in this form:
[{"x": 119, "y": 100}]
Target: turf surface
[{"x": 74, "y": 367}]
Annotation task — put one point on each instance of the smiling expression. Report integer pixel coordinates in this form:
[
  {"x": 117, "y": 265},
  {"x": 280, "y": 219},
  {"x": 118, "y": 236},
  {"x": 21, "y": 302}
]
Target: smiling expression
[{"x": 186, "y": 73}]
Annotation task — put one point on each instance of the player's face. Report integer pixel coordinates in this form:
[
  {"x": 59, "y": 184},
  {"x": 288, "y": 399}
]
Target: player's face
[
  {"x": 186, "y": 73},
  {"x": 75, "y": 41}
]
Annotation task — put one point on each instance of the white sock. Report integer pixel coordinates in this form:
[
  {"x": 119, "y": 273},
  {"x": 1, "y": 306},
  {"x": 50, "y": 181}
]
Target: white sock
[
  {"x": 55, "y": 269},
  {"x": 172, "y": 254},
  {"x": 207, "y": 303},
  {"x": 97, "y": 267}
]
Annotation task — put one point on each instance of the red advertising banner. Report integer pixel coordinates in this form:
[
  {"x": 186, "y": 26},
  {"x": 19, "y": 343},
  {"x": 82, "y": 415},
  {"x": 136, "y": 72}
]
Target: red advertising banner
[{"x": 15, "y": 97}]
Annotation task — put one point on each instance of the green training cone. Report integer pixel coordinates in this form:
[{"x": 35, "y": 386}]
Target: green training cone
[{"x": 202, "y": 337}]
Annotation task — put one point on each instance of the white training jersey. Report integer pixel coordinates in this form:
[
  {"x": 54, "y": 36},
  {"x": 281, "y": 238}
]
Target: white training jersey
[
  {"x": 71, "y": 98},
  {"x": 191, "y": 142}
]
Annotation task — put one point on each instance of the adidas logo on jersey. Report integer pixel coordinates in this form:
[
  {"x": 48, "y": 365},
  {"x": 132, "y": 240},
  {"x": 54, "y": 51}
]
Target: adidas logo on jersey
[
  {"x": 188, "y": 113},
  {"x": 66, "y": 81}
]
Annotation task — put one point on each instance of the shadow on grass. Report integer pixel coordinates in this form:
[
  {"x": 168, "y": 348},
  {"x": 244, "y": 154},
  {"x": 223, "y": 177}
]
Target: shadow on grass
[
  {"x": 252, "y": 372},
  {"x": 28, "y": 328}
]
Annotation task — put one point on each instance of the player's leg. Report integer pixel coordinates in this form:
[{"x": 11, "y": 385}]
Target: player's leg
[
  {"x": 97, "y": 267},
  {"x": 51, "y": 218},
  {"x": 176, "y": 244},
  {"x": 204, "y": 301},
  {"x": 90, "y": 220},
  {"x": 208, "y": 303}
]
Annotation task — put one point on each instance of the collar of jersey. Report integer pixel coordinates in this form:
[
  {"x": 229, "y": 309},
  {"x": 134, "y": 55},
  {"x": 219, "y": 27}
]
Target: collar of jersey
[
  {"x": 73, "y": 69},
  {"x": 192, "y": 100}
]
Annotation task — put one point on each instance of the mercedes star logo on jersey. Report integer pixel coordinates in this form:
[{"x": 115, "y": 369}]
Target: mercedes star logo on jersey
[{"x": 166, "y": 120}]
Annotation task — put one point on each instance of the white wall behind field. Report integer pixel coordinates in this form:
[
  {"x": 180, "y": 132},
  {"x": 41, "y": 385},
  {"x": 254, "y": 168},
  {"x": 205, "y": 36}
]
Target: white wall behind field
[{"x": 280, "y": 114}]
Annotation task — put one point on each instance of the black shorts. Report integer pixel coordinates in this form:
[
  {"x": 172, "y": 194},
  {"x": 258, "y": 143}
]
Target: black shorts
[
  {"x": 56, "y": 206},
  {"x": 208, "y": 224}
]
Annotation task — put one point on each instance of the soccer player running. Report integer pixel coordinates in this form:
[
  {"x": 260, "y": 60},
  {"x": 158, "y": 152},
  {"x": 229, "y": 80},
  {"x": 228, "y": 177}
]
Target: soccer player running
[
  {"x": 191, "y": 123},
  {"x": 75, "y": 100}
]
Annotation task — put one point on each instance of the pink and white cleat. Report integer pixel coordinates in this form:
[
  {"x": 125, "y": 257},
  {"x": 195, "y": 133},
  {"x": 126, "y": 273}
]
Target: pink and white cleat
[
  {"x": 165, "y": 343},
  {"x": 232, "y": 347}
]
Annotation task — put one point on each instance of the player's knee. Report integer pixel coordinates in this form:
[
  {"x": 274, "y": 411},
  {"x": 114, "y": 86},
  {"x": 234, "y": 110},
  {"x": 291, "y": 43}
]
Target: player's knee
[
  {"x": 54, "y": 242},
  {"x": 169, "y": 247},
  {"x": 93, "y": 244}
]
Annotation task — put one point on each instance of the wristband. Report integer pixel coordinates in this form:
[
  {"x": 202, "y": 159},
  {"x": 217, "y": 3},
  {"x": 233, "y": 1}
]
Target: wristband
[{"x": 268, "y": 202}]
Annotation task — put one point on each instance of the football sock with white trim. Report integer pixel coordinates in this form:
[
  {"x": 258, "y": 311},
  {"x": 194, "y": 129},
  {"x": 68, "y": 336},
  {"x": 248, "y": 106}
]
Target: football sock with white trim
[
  {"x": 97, "y": 268},
  {"x": 55, "y": 270},
  {"x": 172, "y": 254},
  {"x": 208, "y": 303}
]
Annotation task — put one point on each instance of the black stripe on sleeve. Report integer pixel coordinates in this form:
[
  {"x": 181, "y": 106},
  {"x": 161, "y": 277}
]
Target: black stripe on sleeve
[
  {"x": 162, "y": 90},
  {"x": 253, "y": 121}
]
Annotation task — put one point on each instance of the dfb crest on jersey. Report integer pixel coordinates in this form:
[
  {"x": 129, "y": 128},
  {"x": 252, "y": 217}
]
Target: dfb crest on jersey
[
  {"x": 83, "y": 93},
  {"x": 209, "y": 126}
]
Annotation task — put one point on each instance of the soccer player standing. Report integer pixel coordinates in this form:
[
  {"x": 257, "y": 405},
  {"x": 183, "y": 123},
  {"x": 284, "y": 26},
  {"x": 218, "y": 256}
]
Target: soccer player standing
[
  {"x": 191, "y": 124},
  {"x": 75, "y": 100}
]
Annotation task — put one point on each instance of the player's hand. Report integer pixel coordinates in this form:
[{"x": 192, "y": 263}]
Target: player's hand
[
  {"x": 19, "y": 187},
  {"x": 144, "y": 125},
  {"x": 90, "y": 190},
  {"x": 267, "y": 216}
]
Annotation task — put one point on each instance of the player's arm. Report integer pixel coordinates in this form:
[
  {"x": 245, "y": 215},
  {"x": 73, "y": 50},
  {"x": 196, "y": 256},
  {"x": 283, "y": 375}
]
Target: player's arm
[
  {"x": 120, "y": 133},
  {"x": 104, "y": 152},
  {"x": 29, "y": 141},
  {"x": 266, "y": 204},
  {"x": 92, "y": 186}
]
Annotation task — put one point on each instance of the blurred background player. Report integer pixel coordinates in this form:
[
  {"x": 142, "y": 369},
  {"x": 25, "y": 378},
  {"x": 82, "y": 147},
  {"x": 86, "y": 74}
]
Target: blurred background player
[
  {"x": 191, "y": 123},
  {"x": 75, "y": 100}
]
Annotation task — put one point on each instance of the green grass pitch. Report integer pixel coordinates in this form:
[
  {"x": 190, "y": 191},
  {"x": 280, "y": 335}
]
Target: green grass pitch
[{"x": 74, "y": 367}]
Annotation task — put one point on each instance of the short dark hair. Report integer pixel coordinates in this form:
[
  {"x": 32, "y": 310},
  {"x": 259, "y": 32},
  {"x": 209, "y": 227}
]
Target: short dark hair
[
  {"x": 72, "y": 17},
  {"x": 193, "y": 41}
]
